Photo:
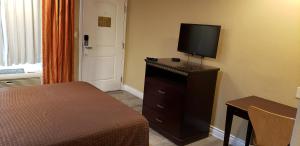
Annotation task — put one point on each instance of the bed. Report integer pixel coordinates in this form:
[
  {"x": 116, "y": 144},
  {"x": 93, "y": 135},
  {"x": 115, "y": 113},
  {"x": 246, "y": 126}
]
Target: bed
[{"x": 75, "y": 114}]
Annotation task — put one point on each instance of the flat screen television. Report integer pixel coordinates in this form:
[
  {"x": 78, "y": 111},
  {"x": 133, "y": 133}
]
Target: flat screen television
[{"x": 199, "y": 39}]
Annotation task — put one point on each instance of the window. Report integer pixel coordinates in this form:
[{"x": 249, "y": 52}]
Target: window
[{"x": 20, "y": 32}]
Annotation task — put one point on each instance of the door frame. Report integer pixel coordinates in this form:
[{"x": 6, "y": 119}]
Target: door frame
[{"x": 80, "y": 45}]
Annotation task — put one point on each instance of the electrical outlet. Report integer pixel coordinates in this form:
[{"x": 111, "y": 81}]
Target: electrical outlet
[{"x": 298, "y": 93}]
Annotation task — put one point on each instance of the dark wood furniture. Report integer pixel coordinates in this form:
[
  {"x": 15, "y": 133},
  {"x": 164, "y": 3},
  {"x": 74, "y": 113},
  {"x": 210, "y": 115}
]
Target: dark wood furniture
[
  {"x": 178, "y": 99},
  {"x": 240, "y": 107}
]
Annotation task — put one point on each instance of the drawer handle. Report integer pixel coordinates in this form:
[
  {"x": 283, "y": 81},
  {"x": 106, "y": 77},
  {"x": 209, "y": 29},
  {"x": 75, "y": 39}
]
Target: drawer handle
[
  {"x": 161, "y": 92},
  {"x": 160, "y": 106},
  {"x": 158, "y": 120}
]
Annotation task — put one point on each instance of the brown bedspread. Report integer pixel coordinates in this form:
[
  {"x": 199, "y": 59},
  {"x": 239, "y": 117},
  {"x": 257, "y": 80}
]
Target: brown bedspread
[{"x": 68, "y": 114}]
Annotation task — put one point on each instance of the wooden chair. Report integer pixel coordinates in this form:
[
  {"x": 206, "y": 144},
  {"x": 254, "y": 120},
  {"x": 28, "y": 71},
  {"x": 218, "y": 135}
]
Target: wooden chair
[{"x": 270, "y": 129}]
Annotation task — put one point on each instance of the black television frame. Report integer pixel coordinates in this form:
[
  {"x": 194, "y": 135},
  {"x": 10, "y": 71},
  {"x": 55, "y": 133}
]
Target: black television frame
[{"x": 198, "y": 54}]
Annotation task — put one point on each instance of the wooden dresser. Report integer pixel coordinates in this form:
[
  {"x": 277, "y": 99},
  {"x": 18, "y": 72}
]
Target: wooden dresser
[{"x": 178, "y": 99}]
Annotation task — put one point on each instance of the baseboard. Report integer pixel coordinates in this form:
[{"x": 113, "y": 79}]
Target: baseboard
[
  {"x": 218, "y": 133},
  {"x": 214, "y": 131},
  {"x": 133, "y": 91}
]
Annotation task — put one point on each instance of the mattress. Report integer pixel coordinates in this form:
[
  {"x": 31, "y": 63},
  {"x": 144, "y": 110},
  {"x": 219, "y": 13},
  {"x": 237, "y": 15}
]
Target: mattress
[{"x": 75, "y": 114}]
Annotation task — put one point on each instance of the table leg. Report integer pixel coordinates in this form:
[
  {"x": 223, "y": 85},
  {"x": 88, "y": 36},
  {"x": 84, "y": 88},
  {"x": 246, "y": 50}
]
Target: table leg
[
  {"x": 249, "y": 133},
  {"x": 229, "y": 116}
]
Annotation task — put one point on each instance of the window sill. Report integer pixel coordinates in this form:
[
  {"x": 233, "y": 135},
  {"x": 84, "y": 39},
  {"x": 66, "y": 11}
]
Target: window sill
[
  {"x": 31, "y": 71},
  {"x": 19, "y": 76}
]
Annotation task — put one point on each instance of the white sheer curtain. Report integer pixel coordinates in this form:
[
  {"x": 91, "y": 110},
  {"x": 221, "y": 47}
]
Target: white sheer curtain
[
  {"x": 20, "y": 32},
  {"x": 1, "y": 41}
]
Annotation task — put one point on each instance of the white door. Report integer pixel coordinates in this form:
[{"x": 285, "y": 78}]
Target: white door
[{"x": 103, "y": 57}]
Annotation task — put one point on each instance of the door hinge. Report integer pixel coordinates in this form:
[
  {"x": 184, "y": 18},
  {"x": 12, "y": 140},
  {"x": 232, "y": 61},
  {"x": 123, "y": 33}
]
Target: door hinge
[
  {"x": 123, "y": 45},
  {"x": 125, "y": 9},
  {"x": 121, "y": 79}
]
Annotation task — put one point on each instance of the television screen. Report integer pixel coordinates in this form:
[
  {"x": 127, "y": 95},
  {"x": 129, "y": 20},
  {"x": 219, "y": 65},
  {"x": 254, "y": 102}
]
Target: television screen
[{"x": 199, "y": 39}]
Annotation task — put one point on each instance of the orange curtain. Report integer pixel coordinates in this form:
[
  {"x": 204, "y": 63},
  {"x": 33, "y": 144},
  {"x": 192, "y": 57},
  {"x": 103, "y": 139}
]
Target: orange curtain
[{"x": 58, "y": 40}]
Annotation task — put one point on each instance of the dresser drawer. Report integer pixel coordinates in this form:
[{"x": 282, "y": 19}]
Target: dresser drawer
[
  {"x": 163, "y": 95},
  {"x": 165, "y": 122},
  {"x": 167, "y": 83}
]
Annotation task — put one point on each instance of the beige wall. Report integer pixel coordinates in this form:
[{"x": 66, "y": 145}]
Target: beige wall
[{"x": 259, "y": 51}]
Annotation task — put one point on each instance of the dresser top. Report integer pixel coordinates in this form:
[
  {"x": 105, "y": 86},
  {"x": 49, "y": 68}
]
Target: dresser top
[{"x": 183, "y": 66}]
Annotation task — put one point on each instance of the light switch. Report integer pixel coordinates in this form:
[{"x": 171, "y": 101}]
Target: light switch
[{"x": 298, "y": 93}]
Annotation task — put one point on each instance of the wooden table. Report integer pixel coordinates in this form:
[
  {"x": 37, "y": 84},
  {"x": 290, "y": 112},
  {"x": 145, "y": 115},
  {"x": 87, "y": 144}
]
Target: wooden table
[{"x": 240, "y": 107}]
